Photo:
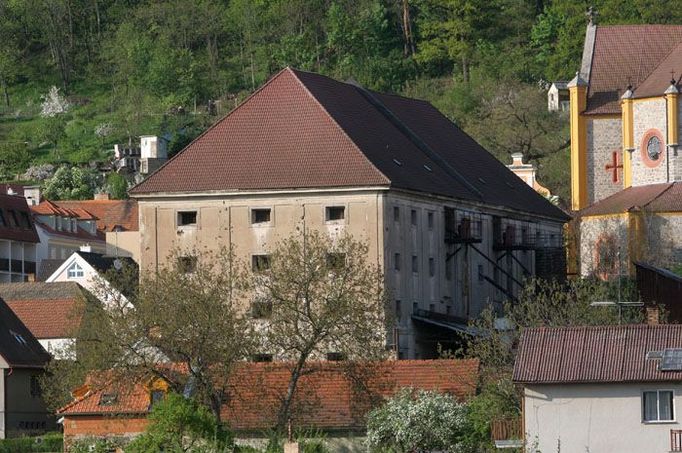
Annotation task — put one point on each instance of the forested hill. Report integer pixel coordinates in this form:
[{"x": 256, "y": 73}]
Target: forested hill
[{"x": 133, "y": 67}]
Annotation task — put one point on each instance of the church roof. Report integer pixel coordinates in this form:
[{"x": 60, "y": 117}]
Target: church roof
[
  {"x": 304, "y": 130},
  {"x": 631, "y": 54},
  {"x": 666, "y": 197}
]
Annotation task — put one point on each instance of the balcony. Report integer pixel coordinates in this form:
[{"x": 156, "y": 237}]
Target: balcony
[
  {"x": 507, "y": 432},
  {"x": 462, "y": 227},
  {"x": 676, "y": 440},
  {"x": 512, "y": 235}
]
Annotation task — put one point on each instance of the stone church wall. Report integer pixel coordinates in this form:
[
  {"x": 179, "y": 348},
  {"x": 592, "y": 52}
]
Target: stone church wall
[
  {"x": 676, "y": 161},
  {"x": 648, "y": 115},
  {"x": 664, "y": 238},
  {"x": 596, "y": 229},
  {"x": 604, "y": 136}
]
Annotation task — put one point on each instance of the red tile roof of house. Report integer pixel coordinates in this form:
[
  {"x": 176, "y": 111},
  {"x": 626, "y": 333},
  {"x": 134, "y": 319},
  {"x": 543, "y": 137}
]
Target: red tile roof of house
[
  {"x": 327, "y": 399},
  {"x": 304, "y": 130},
  {"x": 18, "y": 347},
  {"x": 15, "y": 207},
  {"x": 665, "y": 197},
  {"x": 596, "y": 354},
  {"x": 631, "y": 54},
  {"x": 108, "y": 214},
  {"x": 48, "y": 310}
]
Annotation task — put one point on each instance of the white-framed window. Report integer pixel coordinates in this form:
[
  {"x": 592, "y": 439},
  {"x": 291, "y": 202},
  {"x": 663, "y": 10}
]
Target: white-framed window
[
  {"x": 261, "y": 216},
  {"x": 75, "y": 271},
  {"x": 658, "y": 406}
]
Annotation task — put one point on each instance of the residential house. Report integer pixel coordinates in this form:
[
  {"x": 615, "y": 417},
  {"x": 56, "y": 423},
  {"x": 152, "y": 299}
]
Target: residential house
[
  {"x": 22, "y": 361},
  {"x": 452, "y": 228},
  {"x": 601, "y": 388},
  {"x": 51, "y": 311},
  {"x": 151, "y": 154},
  {"x": 558, "y": 98},
  {"x": 328, "y": 400},
  {"x": 19, "y": 240}
]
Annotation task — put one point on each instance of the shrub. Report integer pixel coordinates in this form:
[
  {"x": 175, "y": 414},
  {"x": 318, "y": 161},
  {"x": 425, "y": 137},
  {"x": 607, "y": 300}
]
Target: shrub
[{"x": 50, "y": 442}]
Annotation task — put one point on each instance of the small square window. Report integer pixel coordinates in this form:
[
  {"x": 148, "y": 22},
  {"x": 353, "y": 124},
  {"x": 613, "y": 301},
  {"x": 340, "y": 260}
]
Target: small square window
[
  {"x": 413, "y": 217},
  {"x": 260, "y": 263},
  {"x": 432, "y": 267},
  {"x": 334, "y": 213},
  {"x": 396, "y": 261},
  {"x": 261, "y": 215},
  {"x": 187, "y": 218},
  {"x": 262, "y": 357},
  {"x": 415, "y": 264},
  {"x": 396, "y": 214},
  {"x": 335, "y": 356},
  {"x": 658, "y": 406},
  {"x": 187, "y": 264},
  {"x": 429, "y": 218}
]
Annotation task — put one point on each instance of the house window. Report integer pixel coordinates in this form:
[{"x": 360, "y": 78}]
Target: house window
[
  {"x": 334, "y": 213},
  {"x": 413, "y": 217},
  {"x": 432, "y": 267},
  {"x": 657, "y": 406},
  {"x": 262, "y": 357},
  {"x": 396, "y": 261},
  {"x": 335, "y": 356},
  {"x": 36, "y": 391},
  {"x": 261, "y": 215},
  {"x": 448, "y": 269},
  {"x": 260, "y": 263},
  {"x": 415, "y": 264},
  {"x": 187, "y": 218},
  {"x": 13, "y": 222},
  {"x": 157, "y": 396},
  {"x": 108, "y": 399},
  {"x": 396, "y": 214},
  {"x": 187, "y": 264},
  {"x": 26, "y": 220},
  {"x": 429, "y": 218},
  {"x": 75, "y": 271}
]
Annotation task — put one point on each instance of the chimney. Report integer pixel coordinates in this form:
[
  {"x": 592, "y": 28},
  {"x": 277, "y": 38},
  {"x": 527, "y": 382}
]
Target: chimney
[
  {"x": 101, "y": 196},
  {"x": 31, "y": 277},
  {"x": 652, "y": 315},
  {"x": 86, "y": 248},
  {"x": 517, "y": 159}
]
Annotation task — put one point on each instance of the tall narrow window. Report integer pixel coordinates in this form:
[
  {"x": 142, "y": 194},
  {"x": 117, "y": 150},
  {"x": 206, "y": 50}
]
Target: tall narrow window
[
  {"x": 413, "y": 217},
  {"x": 429, "y": 218},
  {"x": 415, "y": 264},
  {"x": 432, "y": 267},
  {"x": 75, "y": 271},
  {"x": 396, "y": 261},
  {"x": 396, "y": 214}
]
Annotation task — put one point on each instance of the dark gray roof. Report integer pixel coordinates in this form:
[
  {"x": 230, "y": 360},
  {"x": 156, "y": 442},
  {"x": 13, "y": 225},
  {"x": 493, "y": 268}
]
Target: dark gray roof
[
  {"x": 17, "y": 345},
  {"x": 103, "y": 263},
  {"x": 47, "y": 268},
  {"x": 39, "y": 290}
]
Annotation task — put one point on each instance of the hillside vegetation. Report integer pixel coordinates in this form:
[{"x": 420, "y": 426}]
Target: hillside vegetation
[{"x": 126, "y": 68}]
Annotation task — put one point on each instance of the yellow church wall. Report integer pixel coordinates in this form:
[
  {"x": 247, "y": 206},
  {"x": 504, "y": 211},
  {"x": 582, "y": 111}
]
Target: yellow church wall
[
  {"x": 628, "y": 140},
  {"x": 578, "y": 101}
]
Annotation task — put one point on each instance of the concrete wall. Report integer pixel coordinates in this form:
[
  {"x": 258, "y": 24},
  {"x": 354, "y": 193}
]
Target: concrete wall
[
  {"x": 604, "y": 136},
  {"x": 370, "y": 216},
  {"x": 649, "y": 114},
  {"x": 24, "y": 414},
  {"x": 124, "y": 243},
  {"x": 597, "y": 418}
]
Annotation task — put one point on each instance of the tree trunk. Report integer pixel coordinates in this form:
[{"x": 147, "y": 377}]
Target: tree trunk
[
  {"x": 285, "y": 410},
  {"x": 465, "y": 69},
  {"x": 6, "y": 92},
  {"x": 408, "y": 46}
]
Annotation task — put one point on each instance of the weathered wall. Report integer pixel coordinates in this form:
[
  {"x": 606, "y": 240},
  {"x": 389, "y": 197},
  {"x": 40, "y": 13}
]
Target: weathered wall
[
  {"x": 594, "y": 229},
  {"x": 649, "y": 114},
  {"x": 604, "y": 136},
  {"x": 124, "y": 243},
  {"x": 595, "y": 418},
  {"x": 25, "y": 414}
]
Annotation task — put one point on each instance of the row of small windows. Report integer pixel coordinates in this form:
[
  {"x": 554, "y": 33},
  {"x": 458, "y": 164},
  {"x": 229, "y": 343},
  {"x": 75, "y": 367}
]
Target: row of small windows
[
  {"x": 414, "y": 217},
  {"x": 261, "y": 216},
  {"x": 14, "y": 221},
  {"x": 397, "y": 264},
  {"x": 259, "y": 263}
]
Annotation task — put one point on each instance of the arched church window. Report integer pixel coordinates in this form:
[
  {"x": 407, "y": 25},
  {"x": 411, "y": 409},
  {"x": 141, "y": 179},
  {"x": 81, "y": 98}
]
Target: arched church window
[{"x": 652, "y": 147}]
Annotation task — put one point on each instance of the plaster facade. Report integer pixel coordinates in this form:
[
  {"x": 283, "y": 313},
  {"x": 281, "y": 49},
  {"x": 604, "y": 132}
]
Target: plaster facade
[{"x": 598, "y": 418}]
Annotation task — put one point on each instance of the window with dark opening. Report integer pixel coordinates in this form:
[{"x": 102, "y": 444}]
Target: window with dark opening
[
  {"x": 187, "y": 218},
  {"x": 396, "y": 214},
  {"x": 260, "y": 263},
  {"x": 335, "y": 213},
  {"x": 413, "y": 217},
  {"x": 658, "y": 406},
  {"x": 261, "y": 215},
  {"x": 2, "y": 219},
  {"x": 261, "y": 309},
  {"x": 396, "y": 261},
  {"x": 432, "y": 267},
  {"x": 415, "y": 264},
  {"x": 13, "y": 221},
  {"x": 25, "y": 220},
  {"x": 429, "y": 218},
  {"x": 36, "y": 391},
  {"x": 335, "y": 356},
  {"x": 262, "y": 357},
  {"x": 187, "y": 264}
]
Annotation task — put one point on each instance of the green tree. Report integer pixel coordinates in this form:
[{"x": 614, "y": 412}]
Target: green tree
[
  {"x": 14, "y": 159},
  {"x": 322, "y": 296},
  {"x": 70, "y": 183},
  {"x": 417, "y": 421},
  {"x": 117, "y": 186},
  {"x": 178, "y": 424}
]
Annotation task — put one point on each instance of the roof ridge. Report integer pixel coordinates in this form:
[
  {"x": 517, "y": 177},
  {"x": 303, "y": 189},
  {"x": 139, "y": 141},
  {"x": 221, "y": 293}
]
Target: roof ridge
[
  {"x": 329, "y": 115},
  {"x": 663, "y": 59},
  {"x": 210, "y": 128}
]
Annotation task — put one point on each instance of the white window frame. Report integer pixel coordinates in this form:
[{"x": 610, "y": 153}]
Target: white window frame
[
  {"x": 252, "y": 216},
  {"x": 74, "y": 270},
  {"x": 658, "y": 408}
]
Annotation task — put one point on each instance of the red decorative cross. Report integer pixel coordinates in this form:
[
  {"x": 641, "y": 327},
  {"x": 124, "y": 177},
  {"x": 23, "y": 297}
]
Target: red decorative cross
[{"x": 614, "y": 166}]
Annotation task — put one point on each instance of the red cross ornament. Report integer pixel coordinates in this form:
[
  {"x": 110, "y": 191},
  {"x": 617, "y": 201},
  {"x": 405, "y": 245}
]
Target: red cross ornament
[{"x": 614, "y": 166}]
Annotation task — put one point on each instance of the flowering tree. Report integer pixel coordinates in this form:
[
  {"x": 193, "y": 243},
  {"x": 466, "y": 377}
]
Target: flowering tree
[
  {"x": 54, "y": 104},
  {"x": 417, "y": 421}
]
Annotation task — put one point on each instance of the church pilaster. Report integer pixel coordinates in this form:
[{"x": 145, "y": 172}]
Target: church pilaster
[
  {"x": 577, "y": 89},
  {"x": 627, "y": 110},
  {"x": 671, "y": 99}
]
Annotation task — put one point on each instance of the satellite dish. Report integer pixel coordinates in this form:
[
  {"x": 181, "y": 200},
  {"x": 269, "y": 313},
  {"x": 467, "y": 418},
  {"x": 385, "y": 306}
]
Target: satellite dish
[{"x": 118, "y": 265}]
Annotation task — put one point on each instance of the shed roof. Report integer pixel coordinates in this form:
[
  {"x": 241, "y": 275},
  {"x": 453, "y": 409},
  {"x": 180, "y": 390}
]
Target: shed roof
[
  {"x": 664, "y": 197},
  {"x": 595, "y": 354}
]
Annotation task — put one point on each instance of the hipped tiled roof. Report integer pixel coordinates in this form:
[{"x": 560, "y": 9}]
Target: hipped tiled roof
[
  {"x": 327, "y": 399},
  {"x": 48, "y": 310},
  {"x": 640, "y": 55},
  {"x": 665, "y": 197},
  {"x": 597, "y": 354},
  {"x": 304, "y": 130}
]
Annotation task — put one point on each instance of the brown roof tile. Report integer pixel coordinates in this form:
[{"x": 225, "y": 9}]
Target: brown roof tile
[
  {"x": 605, "y": 354},
  {"x": 15, "y": 207},
  {"x": 333, "y": 401},
  {"x": 629, "y": 54},
  {"x": 665, "y": 197},
  {"x": 108, "y": 214},
  {"x": 306, "y": 130}
]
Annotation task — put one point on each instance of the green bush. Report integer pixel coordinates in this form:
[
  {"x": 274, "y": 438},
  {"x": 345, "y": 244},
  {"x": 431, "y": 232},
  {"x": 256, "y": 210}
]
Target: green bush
[{"x": 51, "y": 442}]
